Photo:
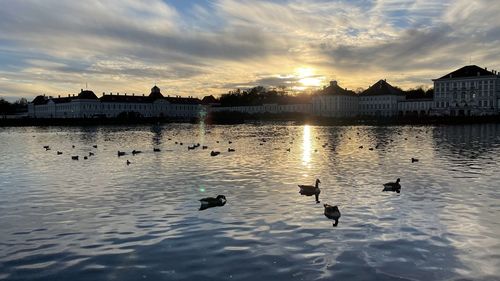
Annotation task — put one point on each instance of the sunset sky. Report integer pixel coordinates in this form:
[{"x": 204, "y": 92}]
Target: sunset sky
[{"x": 209, "y": 47}]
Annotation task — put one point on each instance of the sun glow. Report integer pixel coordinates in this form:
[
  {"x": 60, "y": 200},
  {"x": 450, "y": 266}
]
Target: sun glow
[{"x": 307, "y": 78}]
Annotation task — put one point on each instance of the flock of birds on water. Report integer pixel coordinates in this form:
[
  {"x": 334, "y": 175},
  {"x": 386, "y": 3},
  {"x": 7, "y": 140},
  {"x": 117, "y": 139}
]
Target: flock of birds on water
[{"x": 330, "y": 211}]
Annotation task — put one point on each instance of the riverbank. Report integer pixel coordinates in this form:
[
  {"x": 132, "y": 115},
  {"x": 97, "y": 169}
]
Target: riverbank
[{"x": 233, "y": 118}]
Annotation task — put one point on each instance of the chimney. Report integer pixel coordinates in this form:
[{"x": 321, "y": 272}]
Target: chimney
[
  {"x": 143, "y": 95},
  {"x": 81, "y": 90},
  {"x": 125, "y": 94},
  {"x": 69, "y": 95},
  {"x": 59, "y": 96},
  {"x": 117, "y": 94},
  {"x": 485, "y": 68},
  {"x": 133, "y": 94}
]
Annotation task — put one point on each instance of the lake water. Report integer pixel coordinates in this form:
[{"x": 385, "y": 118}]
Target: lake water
[{"x": 99, "y": 219}]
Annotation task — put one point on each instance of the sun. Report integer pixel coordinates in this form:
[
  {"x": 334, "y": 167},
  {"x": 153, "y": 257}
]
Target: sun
[{"x": 307, "y": 78}]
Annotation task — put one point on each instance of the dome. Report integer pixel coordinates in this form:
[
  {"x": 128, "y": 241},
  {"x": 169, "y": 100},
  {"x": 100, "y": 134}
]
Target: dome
[{"x": 155, "y": 93}]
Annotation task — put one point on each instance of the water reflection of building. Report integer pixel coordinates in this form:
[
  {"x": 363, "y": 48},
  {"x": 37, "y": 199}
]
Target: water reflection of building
[
  {"x": 87, "y": 105},
  {"x": 470, "y": 90}
]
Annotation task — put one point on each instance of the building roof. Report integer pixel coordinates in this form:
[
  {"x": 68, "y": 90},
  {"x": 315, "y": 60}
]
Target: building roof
[
  {"x": 87, "y": 94},
  {"x": 41, "y": 99},
  {"x": 125, "y": 99},
  {"x": 209, "y": 100},
  {"x": 335, "y": 89},
  {"x": 382, "y": 88},
  {"x": 181, "y": 100},
  {"x": 467, "y": 71}
]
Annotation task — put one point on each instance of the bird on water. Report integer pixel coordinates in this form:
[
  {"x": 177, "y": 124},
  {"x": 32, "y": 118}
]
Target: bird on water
[{"x": 309, "y": 190}]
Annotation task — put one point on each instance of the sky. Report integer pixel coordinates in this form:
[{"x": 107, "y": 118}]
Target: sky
[{"x": 197, "y": 48}]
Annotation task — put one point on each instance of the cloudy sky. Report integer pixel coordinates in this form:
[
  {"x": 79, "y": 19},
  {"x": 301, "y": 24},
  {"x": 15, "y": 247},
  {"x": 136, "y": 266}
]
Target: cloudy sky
[{"x": 209, "y": 47}]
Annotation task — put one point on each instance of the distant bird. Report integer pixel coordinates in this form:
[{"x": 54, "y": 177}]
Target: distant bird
[
  {"x": 214, "y": 153},
  {"x": 371, "y": 148},
  {"x": 210, "y": 202},
  {"x": 288, "y": 149},
  {"x": 46, "y": 147},
  {"x": 85, "y": 157},
  {"x": 91, "y": 154},
  {"x": 169, "y": 139},
  {"x": 230, "y": 150},
  {"x": 263, "y": 140},
  {"x": 176, "y": 142},
  {"x": 134, "y": 152},
  {"x": 120, "y": 153},
  {"x": 181, "y": 143},
  {"x": 230, "y": 142},
  {"x": 204, "y": 147},
  {"x": 360, "y": 147},
  {"x": 315, "y": 150},
  {"x": 128, "y": 162},
  {"x": 217, "y": 141},
  {"x": 261, "y": 144},
  {"x": 74, "y": 157},
  {"x": 309, "y": 190},
  {"x": 73, "y": 146},
  {"x": 59, "y": 153},
  {"x": 392, "y": 186},
  {"x": 413, "y": 160},
  {"x": 332, "y": 212},
  {"x": 376, "y": 147},
  {"x": 94, "y": 146},
  {"x": 191, "y": 147},
  {"x": 156, "y": 150}
]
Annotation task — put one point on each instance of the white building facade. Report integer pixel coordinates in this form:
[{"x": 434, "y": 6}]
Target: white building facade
[
  {"x": 87, "y": 105},
  {"x": 380, "y": 100},
  {"x": 333, "y": 101},
  {"x": 468, "y": 91}
]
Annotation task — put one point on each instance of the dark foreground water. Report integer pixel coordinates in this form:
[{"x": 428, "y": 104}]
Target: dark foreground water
[{"x": 99, "y": 219}]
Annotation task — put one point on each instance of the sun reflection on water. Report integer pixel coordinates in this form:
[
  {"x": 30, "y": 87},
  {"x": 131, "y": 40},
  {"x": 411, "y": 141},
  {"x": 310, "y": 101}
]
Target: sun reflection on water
[{"x": 306, "y": 145}]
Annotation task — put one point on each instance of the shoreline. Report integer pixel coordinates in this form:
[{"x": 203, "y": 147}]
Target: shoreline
[{"x": 235, "y": 119}]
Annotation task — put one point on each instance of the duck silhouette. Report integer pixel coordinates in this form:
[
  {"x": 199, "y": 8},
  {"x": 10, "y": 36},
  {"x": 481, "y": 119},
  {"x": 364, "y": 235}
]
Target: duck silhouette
[
  {"x": 393, "y": 186},
  {"x": 156, "y": 150},
  {"x": 94, "y": 146},
  {"x": 59, "y": 153},
  {"x": 134, "y": 152},
  {"x": 128, "y": 162},
  {"x": 332, "y": 212},
  {"x": 74, "y": 157},
  {"x": 214, "y": 153},
  {"x": 231, "y": 150},
  {"x": 120, "y": 153},
  {"x": 210, "y": 202},
  {"x": 91, "y": 154},
  {"x": 310, "y": 190},
  {"x": 413, "y": 160}
]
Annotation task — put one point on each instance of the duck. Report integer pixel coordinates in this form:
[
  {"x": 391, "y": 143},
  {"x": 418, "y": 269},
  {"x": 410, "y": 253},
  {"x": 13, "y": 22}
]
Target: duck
[
  {"x": 134, "y": 152},
  {"x": 85, "y": 157},
  {"x": 91, "y": 154},
  {"x": 230, "y": 142},
  {"x": 288, "y": 149},
  {"x": 371, "y": 148},
  {"x": 59, "y": 153},
  {"x": 309, "y": 190},
  {"x": 333, "y": 213},
  {"x": 191, "y": 147},
  {"x": 231, "y": 150},
  {"x": 120, "y": 153},
  {"x": 360, "y": 147},
  {"x": 74, "y": 157},
  {"x": 214, "y": 153},
  {"x": 204, "y": 147},
  {"x": 73, "y": 146},
  {"x": 46, "y": 147},
  {"x": 181, "y": 143},
  {"x": 210, "y": 202},
  {"x": 156, "y": 150},
  {"x": 413, "y": 160},
  {"x": 393, "y": 186},
  {"x": 128, "y": 162},
  {"x": 94, "y": 146}
]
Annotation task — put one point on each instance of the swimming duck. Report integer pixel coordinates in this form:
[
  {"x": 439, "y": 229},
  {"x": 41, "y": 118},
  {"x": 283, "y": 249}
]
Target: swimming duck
[
  {"x": 156, "y": 150},
  {"x": 128, "y": 162},
  {"x": 214, "y": 153},
  {"x": 309, "y": 190},
  {"x": 204, "y": 147},
  {"x": 413, "y": 160},
  {"x": 360, "y": 147},
  {"x": 94, "y": 146},
  {"x": 371, "y": 148},
  {"x": 134, "y": 152},
  {"x": 91, "y": 154},
  {"x": 288, "y": 149},
  {"x": 59, "y": 153},
  {"x": 191, "y": 147},
  {"x": 332, "y": 212},
  {"x": 85, "y": 157},
  {"x": 230, "y": 142},
  {"x": 120, "y": 153},
  {"x": 46, "y": 147},
  {"x": 230, "y": 150},
  {"x": 210, "y": 202},
  {"x": 392, "y": 186},
  {"x": 74, "y": 157}
]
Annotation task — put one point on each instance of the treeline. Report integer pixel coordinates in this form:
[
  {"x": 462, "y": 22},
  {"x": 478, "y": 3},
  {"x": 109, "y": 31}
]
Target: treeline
[
  {"x": 260, "y": 95},
  {"x": 19, "y": 106}
]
